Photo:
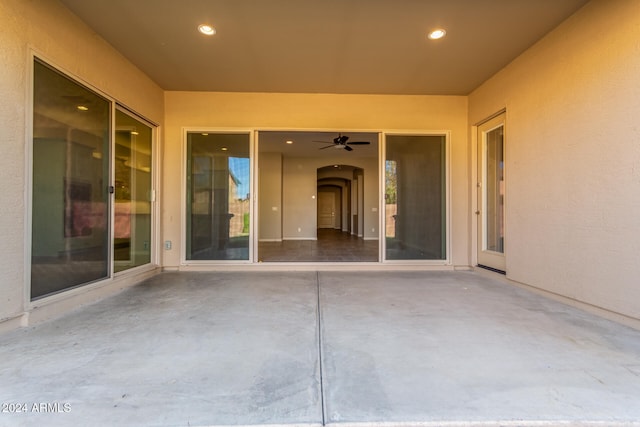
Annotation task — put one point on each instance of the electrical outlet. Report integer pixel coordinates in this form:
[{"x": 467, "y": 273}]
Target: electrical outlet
[{"x": 167, "y": 245}]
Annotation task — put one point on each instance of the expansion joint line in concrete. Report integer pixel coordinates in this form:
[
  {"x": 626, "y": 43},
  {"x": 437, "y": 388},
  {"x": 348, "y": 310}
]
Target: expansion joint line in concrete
[{"x": 320, "y": 361}]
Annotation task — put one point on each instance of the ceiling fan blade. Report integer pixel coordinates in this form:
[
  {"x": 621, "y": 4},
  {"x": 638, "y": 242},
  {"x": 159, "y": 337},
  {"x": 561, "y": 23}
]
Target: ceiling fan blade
[
  {"x": 359, "y": 143},
  {"x": 346, "y": 147},
  {"x": 328, "y": 146},
  {"x": 342, "y": 139},
  {"x": 323, "y": 142}
]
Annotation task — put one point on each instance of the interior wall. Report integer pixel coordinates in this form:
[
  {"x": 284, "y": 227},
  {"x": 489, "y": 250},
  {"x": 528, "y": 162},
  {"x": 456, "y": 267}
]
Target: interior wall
[
  {"x": 299, "y": 195},
  {"x": 573, "y": 157},
  {"x": 270, "y": 206},
  {"x": 60, "y": 37},
  {"x": 279, "y": 111}
]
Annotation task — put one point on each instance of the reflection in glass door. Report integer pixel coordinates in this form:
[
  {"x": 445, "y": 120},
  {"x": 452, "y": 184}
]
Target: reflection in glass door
[
  {"x": 218, "y": 196},
  {"x": 132, "y": 190},
  {"x": 415, "y": 197},
  {"x": 70, "y": 209},
  {"x": 491, "y": 192}
]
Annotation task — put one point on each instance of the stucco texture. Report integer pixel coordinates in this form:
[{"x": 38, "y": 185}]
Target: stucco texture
[
  {"x": 48, "y": 30},
  {"x": 573, "y": 157}
]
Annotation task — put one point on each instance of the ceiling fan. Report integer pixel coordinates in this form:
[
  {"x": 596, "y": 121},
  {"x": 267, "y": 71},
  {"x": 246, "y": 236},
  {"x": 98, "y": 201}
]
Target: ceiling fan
[{"x": 341, "y": 142}]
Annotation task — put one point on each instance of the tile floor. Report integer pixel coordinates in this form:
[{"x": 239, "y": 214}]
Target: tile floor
[{"x": 331, "y": 246}]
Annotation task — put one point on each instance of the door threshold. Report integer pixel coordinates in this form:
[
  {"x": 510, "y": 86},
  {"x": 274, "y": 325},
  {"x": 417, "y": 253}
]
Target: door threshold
[{"x": 495, "y": 270}]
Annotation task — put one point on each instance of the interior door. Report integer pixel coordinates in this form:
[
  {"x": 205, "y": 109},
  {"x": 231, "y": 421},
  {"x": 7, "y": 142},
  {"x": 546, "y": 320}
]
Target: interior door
[
  {"x": 326, "y": 209},
  {"x": 491, "y": 194}
]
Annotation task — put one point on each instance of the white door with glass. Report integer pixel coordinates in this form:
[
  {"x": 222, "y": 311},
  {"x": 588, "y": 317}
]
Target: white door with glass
[{"x": 491, "y": 194}]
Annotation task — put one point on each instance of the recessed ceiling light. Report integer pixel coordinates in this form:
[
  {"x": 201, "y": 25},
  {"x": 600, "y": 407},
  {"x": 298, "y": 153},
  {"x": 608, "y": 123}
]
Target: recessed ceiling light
[
  {"x": 437, "y": 34},
  {"x": 133, "y": 132},
  {"x": 289, "y": 142},
  {"x": 204, "y": 134},
  {"x": 224, "y": 148},
  {"x": 207, "y": 30},
  {"x": 82, "y": 108}
]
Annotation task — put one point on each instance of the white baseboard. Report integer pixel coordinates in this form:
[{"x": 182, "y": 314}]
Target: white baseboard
[{"x": 299, "y": 238}]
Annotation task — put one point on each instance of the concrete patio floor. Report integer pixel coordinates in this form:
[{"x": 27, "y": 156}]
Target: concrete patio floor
[{"x": 314, "y": 348}]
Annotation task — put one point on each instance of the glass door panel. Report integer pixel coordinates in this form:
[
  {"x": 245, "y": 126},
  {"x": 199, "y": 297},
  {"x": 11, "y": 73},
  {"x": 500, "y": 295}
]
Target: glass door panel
[
  {"x": 491, "y": 194},
  {"x": 70, "y": 210},
  {"x": 494, "y": 191},
  {"x": 415, "y": 197},
  {"x": 218, "y": 196},
  {"x": 132, "y": 188}
]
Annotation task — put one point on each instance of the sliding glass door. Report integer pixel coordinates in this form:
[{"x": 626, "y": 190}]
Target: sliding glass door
[
  {"x": 132, "y": 192},
  {"x": 218, "y": 196},
  {"x": 70, "y": 181},
  {"x": 91, "y": 186},
  {"x": 415, "y": 197}
]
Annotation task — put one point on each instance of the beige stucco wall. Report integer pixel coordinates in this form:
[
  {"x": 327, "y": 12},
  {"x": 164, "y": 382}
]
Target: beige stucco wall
[
  {"x": 262, "y": 111},
  {"x": 573, "y": 157},
  {"x": 59, "y": 37}
]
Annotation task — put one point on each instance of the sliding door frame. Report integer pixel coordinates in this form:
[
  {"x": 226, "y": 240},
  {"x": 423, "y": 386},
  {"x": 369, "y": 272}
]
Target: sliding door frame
[
  {"x": 254, "y": 197},
  {"x": 184, "y": 195},
  {"x": 29, "y": 303},
  {"x": 382, "y": 208},
  {"x": 154, "y": 244}
]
